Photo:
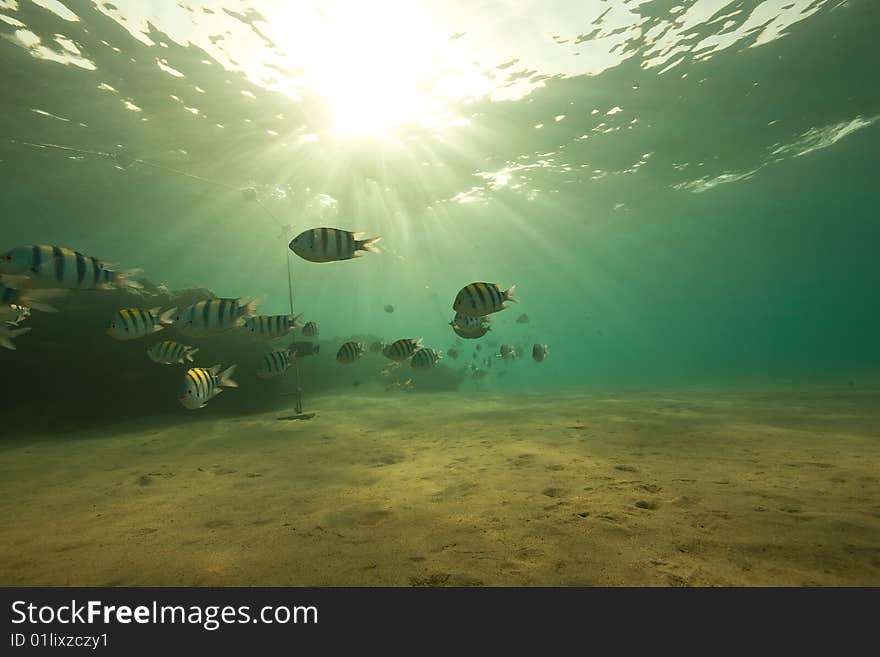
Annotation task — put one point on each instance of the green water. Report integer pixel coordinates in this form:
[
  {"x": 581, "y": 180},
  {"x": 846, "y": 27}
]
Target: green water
[
  {"x": 684, "y": 194},
  {"x": 721, "y": 226}
]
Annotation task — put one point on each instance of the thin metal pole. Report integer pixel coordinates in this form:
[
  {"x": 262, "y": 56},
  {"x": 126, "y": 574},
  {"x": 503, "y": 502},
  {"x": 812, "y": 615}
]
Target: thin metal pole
[
  {"x": 289, "y": 279},
  {"x": 299, "y": 406}
]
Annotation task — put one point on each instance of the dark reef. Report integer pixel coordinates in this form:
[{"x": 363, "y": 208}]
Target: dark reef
[{"x": 67, "y": 374}]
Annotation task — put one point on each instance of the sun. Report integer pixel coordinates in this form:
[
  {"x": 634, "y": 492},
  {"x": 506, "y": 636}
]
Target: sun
[{"x": 370, "y": 63}]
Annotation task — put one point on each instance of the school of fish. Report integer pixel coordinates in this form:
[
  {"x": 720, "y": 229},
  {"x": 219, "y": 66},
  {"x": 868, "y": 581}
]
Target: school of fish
[{"x": 33, "y": 276}]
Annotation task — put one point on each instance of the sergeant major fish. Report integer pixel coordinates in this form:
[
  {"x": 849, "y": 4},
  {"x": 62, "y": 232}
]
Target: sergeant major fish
[
  {"x": 470, "y": 334},
  {"x": 46, "y": 266},
  {"x": 400, "y": 350},
  {"x": 171, "y": 353},
  {"x": 349, "y": 353},
  {"x": 202, "y": 384},
  {"x": 470, "y": 328},
  {"x": 478, "y": 299},
  {"x": 311, "y": 329},
  {"x": 133, "y": 323},
  {"x": 331, "y": 244},
  {"x": 275, "y": 363},
  {"x": 468, "y": 323},
  {"x": 425, "y": 359},
  {"x": 213, "y": 316},
  {"x": 270, "y": 327},
  {"x": 539, "y": 352}
]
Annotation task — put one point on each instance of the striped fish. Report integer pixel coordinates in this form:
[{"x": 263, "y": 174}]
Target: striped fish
[
  {"x": 133, "y": 323},
  {"x": 471, "y": 334},
  {"x": 269, "y": 327},
  {"x": 468, "y": 323},
  {"x": 479, "y": 299},
  {"x": 400, "y": 350},
  {"x": 425, "y": 359},
  {"x": 35, "y": 299},
  {"x": 303, "y": 349},
  {"x": 349, "y": 353},
  {"x": 7, "y": 333},
  {"x": 170, "y": 352},
  {"x": 311, "y": 329},
  {"x": 470, "y": 328},
  {"x": 331, "y": 244},
  {"x": 539, "y": 352},
  {"x": 213, "y": 316},
  {"x": 507, "y": 351},
  {"x": 201, "y": 384},
  {"x": 275, "y": 363},
  {"x": 46, "y": 266}
]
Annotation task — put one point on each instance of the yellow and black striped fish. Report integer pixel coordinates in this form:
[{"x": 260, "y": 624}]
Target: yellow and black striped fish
[
  {"x": 133, "y": 323},
  {"x": 35, "y": 299},
  {"x": 468, "y": 323},
  {"x": 470, "y": 327},
  {"x": 213, "y": 316},
  {"x": 201, "y": 384},
  {"x": 170, "y": 352},
  {"x": 400, "y": 350},
  {"x": 349, "y": 353},
  {"x": 425, "y": 359},
  {"x": 270, "y": 327},
  {"x": 331, "y": 244},
  {"x": 471, "y": 334},
  {"x": 275, "y": 363},
  {"x": 311, "y": 329},
  {"x": 479, "y": 299},
  {"x": 41, "y": 265}
]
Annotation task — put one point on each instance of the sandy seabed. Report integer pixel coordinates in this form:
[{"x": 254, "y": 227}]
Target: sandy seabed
[{"x": 686, "y": 488}]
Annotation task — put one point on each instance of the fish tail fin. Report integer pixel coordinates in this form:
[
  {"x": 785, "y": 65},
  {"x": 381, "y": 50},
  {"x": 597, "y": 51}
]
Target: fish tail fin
[
  {"x": 249, "y": 308},
  {"x": 6, "y": 336},
  {"x": 368, "y": 244},
  {"x": 168, "y": 316},
  {"x": 508, "y": 294},
  {"x": 297, "y": 322},
  {"x": 225, "y": 378},
  {"x": 123, "y": 278},
  {"x": 36, "y": 299},
  {"x": 189, "y": 354}
]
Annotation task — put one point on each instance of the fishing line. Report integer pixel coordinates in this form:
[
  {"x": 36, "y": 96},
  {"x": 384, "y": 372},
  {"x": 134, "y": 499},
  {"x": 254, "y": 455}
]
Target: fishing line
[
  {"x": 125, "y": 161},
  {"x": 286, "y": 253}
]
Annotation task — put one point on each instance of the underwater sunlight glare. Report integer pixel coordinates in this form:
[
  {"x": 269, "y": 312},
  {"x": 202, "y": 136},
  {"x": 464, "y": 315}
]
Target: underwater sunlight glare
[{"x": 367, "y": 62}]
